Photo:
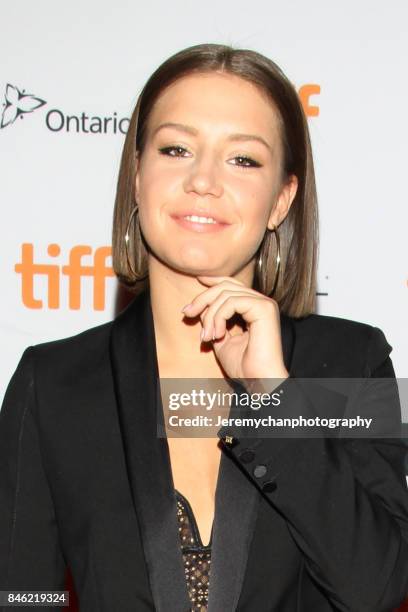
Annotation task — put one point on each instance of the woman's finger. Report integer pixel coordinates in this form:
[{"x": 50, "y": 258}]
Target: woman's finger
[
  {"x": 207, "y": 297},
  {"x": 208, "y": 319}
]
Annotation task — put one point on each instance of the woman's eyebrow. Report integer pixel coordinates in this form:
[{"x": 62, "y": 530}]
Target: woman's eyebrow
[{"x": 194, "y": 132}]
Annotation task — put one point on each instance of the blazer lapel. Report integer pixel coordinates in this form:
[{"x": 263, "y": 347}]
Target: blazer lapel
[
  {"x": 236, "y": 510},
  {"x": 136, "y": 376},
  {"x": 135, "y": 372}
]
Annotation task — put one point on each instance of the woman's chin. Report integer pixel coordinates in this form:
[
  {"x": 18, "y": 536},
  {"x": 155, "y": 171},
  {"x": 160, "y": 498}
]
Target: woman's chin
[
  {"x": 192, "y": 262},
  {"x": 193, "y": 269},
  {"x": 198, "y": 261}
]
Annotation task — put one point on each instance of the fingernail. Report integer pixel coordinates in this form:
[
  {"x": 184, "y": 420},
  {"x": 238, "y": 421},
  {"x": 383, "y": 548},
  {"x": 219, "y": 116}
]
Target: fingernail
[
  {"x": 185, "y": 307},
  {"x": 202, "y": 334}
]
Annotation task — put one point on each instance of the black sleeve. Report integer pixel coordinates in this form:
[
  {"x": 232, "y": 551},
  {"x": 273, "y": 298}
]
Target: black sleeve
[
  {"x": 30, "y": 554},
  {"x": 345, "y": 500}
]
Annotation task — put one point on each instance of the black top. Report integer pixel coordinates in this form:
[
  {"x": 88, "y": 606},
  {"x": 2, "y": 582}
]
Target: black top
[
  {"x": 86, "y": 481},
  {"x": 196, "y": 556}
]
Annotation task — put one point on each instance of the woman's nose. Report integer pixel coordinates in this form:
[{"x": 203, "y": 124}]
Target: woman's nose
[{"x": 204, "y": 176}]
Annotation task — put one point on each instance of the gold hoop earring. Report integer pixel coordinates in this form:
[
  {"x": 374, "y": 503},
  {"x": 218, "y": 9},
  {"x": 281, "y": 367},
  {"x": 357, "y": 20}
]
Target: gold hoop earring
[
  {"x": 278, "y": 259},
  {"x": 127, "y": 239}
]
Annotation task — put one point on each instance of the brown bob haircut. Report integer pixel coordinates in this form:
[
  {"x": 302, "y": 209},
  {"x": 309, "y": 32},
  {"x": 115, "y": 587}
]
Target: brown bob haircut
[{"x": 295, "y": 289}]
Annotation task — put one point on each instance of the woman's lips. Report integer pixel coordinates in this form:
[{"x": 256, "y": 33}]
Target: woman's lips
[{"x": 194, "y": 226}]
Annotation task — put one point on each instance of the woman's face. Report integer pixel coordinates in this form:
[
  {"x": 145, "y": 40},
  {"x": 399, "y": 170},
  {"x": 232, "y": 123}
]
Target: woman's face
[{"x": 201, "y": 167}]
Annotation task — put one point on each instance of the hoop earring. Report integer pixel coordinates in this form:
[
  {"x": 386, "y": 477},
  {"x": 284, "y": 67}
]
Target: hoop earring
[
  {"x": 127, "y": 238},
  {"x": 278, "y": 260}
]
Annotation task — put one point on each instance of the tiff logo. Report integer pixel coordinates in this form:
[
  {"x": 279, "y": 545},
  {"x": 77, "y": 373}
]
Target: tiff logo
[{"x": 75, "y": 270}]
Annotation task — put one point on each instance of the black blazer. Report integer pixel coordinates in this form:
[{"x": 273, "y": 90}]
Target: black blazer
[{"x": 86, "y": 482}]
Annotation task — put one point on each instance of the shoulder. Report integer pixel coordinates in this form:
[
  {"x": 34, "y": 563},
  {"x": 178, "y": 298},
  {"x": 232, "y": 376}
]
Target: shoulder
[
  {"x": 317, "y": 324},
  {"x": 76, "y": 351},
  {"x": 346, "y": 344},
  {"x": 59, "y": 363}
]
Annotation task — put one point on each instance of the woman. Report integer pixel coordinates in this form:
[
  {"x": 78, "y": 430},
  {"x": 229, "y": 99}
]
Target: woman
[{"x": 86, "y": 481}]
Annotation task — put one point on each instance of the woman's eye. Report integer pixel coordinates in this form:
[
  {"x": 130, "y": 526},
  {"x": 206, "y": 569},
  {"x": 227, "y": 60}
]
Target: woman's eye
[
  {"x": 243, "y": 160},
  {"x": 249, "y": 163},
  {"x": 167, "y": 150}
]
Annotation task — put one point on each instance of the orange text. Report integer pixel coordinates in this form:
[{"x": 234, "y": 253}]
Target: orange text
[{"x": 74, "y": 270}]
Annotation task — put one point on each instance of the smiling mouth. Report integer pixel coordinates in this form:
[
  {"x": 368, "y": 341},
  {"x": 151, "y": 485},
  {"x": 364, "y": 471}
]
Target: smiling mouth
[
  {"x": 197, "y": 219},
  {"x": 199, "y": 224}
]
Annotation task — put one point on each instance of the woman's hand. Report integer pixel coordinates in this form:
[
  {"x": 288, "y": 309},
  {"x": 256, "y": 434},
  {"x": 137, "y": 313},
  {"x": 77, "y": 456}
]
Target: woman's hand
[{"x": 255, "y": 352}]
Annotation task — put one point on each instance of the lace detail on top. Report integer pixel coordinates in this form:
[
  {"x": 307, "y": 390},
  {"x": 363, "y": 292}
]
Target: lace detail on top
[{"x": 196, "y": 557}]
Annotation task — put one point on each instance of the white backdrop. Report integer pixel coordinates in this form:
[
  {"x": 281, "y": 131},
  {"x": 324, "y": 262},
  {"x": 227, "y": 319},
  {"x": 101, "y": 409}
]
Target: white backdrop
[{"x": 90, "y": 59}]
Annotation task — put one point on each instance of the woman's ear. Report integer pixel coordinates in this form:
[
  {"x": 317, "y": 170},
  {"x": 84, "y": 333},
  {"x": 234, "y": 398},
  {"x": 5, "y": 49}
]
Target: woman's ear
[{"x": 284, "y": 202}]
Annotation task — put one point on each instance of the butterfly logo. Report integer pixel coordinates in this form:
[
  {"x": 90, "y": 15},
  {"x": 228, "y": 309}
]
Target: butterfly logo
[{"x": 18, "y": 103}]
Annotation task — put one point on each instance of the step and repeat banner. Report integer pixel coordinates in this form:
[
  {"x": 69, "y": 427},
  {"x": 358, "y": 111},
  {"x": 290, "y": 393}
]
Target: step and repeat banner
[{"x": 69, "y": 78}]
